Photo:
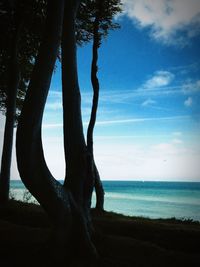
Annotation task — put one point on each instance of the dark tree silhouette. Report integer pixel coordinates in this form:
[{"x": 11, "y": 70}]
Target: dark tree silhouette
[
  {"x": 13, "y": 82},
  {"x": 16, "y": 65},
  {"x": 95, "y": 84},
  {"x": 33, "y": 14},
  {"x": 77, "y": 179},
  {"x": 64, "y": 205},
  {"x": 103, "y": 12},
  {"x": 68, "y": 206}
]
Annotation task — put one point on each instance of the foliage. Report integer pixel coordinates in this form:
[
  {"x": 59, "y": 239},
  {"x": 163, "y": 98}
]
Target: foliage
[
  {"x": 86, "y": 16},
  {"x": 30, "y": 15}
]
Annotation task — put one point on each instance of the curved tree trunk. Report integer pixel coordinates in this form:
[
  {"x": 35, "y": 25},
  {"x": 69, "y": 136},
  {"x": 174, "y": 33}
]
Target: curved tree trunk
[
  {"x": 95, "y": 84},
  {"x": 30, "y": 158},
  {"x": 60, "y": 203},
  {"x": 74, "y": 143},
  {"x": 13, "y": 82}
]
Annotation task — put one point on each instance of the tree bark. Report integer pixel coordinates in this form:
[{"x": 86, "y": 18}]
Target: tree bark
[
  {"x": 95, "y": 84},
  {"x": 13, "y": 82}
]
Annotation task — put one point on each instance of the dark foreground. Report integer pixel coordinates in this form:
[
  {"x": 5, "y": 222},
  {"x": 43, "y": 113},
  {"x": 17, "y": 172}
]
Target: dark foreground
[{"x": 120, "y": 240}]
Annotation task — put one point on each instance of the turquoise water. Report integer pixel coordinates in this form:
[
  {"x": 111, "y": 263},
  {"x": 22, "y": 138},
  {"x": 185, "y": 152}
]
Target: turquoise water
[{"x": 148, "y": 199}]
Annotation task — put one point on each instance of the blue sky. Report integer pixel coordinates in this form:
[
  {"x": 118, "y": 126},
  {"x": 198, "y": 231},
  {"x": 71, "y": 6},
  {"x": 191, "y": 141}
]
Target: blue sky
[{"x": 148, "y": 123}]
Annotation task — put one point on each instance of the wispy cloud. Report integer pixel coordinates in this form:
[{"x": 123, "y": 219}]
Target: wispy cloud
[
  {"x": 171, "y": 22},
  {"x": 191, "y": 86},
  {"x": 123, "y": 96},
  {"x": 185, "y": 69},
  {"x": 148, "y": 102},
  {"x": 136, "y": 120},
  {"x": 137, "y": 93},
  {"x": 188, "y": 102},
  {"x": 160, "y": 84},
  {"x": 123, "y": 121},
  {"x": 54, "y": 105},
  {"x": 55, "y": 93}
]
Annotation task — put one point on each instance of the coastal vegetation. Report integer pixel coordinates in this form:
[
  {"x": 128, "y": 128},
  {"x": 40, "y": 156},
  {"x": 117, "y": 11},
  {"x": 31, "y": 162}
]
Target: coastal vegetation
[{"x": 120, "y": 240}]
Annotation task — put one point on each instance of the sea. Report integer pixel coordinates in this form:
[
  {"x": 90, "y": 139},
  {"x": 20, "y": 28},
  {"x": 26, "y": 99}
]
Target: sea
[{"x": 180, "y": 200}]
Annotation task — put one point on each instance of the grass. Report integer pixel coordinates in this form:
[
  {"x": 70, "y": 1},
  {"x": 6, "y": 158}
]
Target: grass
[{"x": 121, "y": 240}]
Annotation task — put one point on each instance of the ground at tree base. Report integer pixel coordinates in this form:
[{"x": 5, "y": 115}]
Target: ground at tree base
[{"x": 120, "y": 240}]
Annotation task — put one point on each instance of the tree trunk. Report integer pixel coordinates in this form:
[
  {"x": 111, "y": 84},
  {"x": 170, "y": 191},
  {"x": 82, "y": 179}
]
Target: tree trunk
[
  {"x": 95, "y": 84},
  {"x": 77, "y": 179},
  {"x": 13, "y": 82},
  {"x": 71, "y": 232},
  {"x": 30, "y": 157},
  {"x": 98, "y": 190}
]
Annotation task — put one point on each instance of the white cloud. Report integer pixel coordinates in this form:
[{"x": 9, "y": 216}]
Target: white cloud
[
  {"x": 188, "y": 102},
  {"x": 171, "y": 21},
  {"x": 148, "y": 102},
  {"x": 159, "y": 79}
]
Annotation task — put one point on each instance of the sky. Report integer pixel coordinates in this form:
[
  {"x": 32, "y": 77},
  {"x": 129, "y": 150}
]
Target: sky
[{"x": 148, "y": 122}]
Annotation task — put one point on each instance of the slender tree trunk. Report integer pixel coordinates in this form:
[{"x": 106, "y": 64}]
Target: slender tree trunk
[
  {"x": 77, "y": 179},
  {"x": 99, "y": 190},
  {"x": 13, "y": 82},
  {"x": 95, "y": 84}
]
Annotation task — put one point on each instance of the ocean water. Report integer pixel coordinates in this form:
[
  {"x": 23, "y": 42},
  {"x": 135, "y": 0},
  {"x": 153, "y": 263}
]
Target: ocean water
[{"x": 148, "y": 199}]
